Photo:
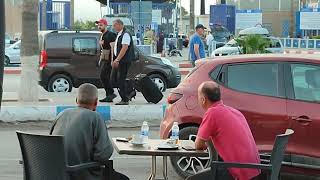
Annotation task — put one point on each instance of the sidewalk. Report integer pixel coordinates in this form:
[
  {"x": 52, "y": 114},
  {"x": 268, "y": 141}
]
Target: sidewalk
[{"x": 51, "y": 104}]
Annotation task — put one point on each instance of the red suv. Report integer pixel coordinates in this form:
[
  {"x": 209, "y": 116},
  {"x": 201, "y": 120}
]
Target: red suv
[{"x": 274, "y": 92}]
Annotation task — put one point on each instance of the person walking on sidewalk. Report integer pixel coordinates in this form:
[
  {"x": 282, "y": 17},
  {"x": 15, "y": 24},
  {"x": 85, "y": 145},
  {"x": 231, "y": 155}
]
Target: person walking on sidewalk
[
  {"x": 197, "y": 49},
  {"x": 106, "y": 42},
  {"x": 123, "y": 55}
]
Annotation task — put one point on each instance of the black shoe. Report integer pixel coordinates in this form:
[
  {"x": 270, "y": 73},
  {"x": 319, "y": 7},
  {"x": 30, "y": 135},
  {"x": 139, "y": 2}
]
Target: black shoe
[
  {"x": 109, "y": 98},
  {"x": 132, "y": 95},
  {"x": 122, "y": 103}
]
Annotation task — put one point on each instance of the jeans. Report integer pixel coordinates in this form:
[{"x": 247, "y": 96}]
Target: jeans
[
  {"x": 119, "y": 75},
  {"x": 105, "y": 75}
]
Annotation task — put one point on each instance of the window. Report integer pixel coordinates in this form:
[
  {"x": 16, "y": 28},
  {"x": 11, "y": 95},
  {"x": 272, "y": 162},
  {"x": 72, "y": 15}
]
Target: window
[
  {"x": 85, "y": 46},
  {"x": 215, "y": 72},
  {"x": 306, "y": 82},
  {"x": 257, "y": 78}
]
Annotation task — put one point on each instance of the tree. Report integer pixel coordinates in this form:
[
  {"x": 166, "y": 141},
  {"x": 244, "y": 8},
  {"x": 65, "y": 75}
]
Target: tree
[
  {"x": 253, "y": 44},
  {"x": 28, "y": 90},
  {"x": 2, "y": 41},
  {"x": 84, "y": 25}
]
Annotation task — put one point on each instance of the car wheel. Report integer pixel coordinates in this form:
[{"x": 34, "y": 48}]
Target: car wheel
[
  {"x": 159, "y": 81},
  {"x": 60, "y": 83},
  {"x": 187, "y": 166},
  {"x": 6, "y": 61}
]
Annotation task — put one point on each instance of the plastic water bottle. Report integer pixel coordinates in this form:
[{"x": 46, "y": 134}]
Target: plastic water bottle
[
  {"x": 175, "y": 132},
  {"x": 145, "y": 131}
]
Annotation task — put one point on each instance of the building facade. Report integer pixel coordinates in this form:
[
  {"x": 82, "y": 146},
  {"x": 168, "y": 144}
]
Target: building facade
[{"x": 13, "y": 16}]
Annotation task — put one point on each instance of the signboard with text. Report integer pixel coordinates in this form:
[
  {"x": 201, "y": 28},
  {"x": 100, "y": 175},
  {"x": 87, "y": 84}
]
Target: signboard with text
[
  {"x": 310, "y": 19},
  {"x": 248, "y": 18}
]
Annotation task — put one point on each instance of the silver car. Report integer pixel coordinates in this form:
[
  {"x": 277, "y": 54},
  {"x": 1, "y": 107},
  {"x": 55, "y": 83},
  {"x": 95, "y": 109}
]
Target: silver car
[{"x": 12, "y": 54}]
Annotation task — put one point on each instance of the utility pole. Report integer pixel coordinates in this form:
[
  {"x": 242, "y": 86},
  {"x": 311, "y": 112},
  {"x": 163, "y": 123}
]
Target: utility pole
[
  {"x": 181, "y": 18},
  {"x": 203, "y": 8},
  {"x": 2, "y": 44},
  {"x": 191, "y": 14},
  {"x": 44, "y": 15},
  {"x": 72, "y": 14}
]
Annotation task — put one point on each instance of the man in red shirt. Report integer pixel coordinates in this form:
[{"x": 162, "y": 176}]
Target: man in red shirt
[{"x": 229, "y": 132}]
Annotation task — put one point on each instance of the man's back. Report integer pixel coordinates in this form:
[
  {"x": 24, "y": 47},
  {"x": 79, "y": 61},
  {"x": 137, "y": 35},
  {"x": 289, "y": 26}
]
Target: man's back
[
  {"x": 86, "y": 139},
  {"x": 232, "y": 138}
]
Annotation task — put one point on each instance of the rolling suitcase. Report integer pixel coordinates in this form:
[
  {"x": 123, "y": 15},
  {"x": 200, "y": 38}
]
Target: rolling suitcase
[{"x": 148, "y": 88}]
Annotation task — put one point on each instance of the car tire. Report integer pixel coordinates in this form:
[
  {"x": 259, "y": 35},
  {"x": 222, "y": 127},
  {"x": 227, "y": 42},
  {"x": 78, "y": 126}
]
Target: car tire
[
  {"x": 160, "y": 81},
  {"x": 177, "y": 161},
  {"x": 60, "y": 83},
  {"x": 6, "y": 61}
]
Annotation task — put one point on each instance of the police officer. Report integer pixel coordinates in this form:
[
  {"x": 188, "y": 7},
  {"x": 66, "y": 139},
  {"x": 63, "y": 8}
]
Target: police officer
[
  {"x": 106, "y": 42},
  {"x": 124, "y": 54}
]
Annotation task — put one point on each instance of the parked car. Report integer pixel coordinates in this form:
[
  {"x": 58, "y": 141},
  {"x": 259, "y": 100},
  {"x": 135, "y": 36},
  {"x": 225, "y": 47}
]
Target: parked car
[
  {"x": 12, "y": 54},
  {"x": 69, "y": 59},
  {"x": 274, "y": 92},
  {"x": 220, "y": 34},
  {"x": 232, "y": 48}
]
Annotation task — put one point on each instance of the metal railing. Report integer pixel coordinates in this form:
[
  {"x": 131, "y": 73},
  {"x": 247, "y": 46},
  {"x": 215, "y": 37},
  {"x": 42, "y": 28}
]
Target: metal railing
[{"x": 298, "y": 43}]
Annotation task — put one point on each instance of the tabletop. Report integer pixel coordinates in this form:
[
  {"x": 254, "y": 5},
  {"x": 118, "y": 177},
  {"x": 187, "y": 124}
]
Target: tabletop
[{"x": 150, "y": 149}]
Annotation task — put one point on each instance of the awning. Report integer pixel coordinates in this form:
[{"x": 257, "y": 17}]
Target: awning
[{"x": 128, "y": 1}]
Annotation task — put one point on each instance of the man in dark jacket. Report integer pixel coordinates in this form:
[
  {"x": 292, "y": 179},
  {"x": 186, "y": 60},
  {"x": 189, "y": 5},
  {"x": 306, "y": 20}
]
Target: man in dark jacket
[
  {"x": 85, "y": 134},
  {"x": 124, "y": 54}
]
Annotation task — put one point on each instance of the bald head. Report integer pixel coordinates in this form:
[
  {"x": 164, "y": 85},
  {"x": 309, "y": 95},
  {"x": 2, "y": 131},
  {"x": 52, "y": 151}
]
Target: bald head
[
  {"x": 211, "y": 91},
  {"x": 87, "y": 94}
]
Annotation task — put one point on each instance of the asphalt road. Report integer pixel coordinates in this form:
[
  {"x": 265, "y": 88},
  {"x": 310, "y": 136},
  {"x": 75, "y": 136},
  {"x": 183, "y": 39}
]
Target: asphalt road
[{"x": 11, "y": 84}]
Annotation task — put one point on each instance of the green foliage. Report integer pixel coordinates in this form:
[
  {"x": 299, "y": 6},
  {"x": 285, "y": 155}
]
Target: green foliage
[
  {"x": 315, "y": 37},
  {"x": 253, "y": 44},
  {"x": 84, "y": 25}
]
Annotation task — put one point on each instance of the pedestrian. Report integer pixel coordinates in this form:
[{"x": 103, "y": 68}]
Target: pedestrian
[
  {"x": 106, "y": 42},
  {"x": 123, "y": 55},
  {"x": 85, "y": 135},
  {"x": 197, "y": 49},
  {"x": 229, "y": 131},
  {"x": 210, "y": 39}
]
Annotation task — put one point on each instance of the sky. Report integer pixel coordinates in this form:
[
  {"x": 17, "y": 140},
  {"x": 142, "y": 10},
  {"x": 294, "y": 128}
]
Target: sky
[{"x": 90, "y": 9}]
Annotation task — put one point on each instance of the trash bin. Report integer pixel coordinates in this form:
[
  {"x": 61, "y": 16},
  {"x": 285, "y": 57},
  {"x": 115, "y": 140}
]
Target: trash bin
[{"x": 180, "y": 43}]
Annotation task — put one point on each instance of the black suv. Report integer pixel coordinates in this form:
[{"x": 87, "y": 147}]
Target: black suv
[{"x": 70, "y": 58}]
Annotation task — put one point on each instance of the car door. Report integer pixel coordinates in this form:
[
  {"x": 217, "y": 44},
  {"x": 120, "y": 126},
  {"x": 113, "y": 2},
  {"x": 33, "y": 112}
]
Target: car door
[
  {"x": 303, "y": 105},
  {"x": 136, "y": 65},
  {"x": 85, "y": 58},
  {"x": 256, "y": 89},
  {"x": 15, "y": 57}
]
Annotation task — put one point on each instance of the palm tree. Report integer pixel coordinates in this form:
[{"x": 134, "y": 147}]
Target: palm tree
[
  {"x": 2, "y": 34},
  {"x": 28, "y": 90},
  {"x": 253, "y": 44}
]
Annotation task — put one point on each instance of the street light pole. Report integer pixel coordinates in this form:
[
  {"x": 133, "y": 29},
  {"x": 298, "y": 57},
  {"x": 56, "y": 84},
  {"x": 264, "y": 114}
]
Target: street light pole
[{"x": 2, "y": 44}]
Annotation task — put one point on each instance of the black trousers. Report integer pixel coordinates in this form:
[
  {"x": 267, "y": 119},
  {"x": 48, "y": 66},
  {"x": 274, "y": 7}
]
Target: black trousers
[
  {"x": 105, "y": 75},
  {"x": 119, "y": 76}
]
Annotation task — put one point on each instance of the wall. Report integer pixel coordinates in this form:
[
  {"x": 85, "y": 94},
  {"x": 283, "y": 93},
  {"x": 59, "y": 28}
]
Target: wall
[{"x": 275, "y": 20}]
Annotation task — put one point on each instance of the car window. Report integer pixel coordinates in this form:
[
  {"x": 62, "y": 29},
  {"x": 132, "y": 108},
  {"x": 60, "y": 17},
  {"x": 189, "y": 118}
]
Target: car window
[
  {"x": 85, "y": 46},
  {"x": 275, "y": 43},
  {"x": 306, "y": 82},
  {"x": 257, "y": 78},
  {"x": 215, "y": 72}
]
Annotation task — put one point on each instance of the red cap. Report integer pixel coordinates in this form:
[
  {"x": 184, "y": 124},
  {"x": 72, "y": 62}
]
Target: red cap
[{"x": 102, "y": 21}]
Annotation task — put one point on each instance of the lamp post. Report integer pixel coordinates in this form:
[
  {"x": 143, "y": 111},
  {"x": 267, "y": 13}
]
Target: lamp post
[{"x": 2, "y": 42}]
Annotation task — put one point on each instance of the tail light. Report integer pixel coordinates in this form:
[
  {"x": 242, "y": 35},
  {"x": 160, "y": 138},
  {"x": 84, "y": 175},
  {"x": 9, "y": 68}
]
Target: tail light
[
  {"x": 43, "y": 59},
  {"x": 174, "y": 97}
]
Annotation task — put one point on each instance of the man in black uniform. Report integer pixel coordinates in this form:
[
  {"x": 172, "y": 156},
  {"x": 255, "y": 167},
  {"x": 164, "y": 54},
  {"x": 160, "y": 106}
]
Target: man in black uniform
[
  {"x": 106, "y": 42},
  {"x": 124, "y": 54}
]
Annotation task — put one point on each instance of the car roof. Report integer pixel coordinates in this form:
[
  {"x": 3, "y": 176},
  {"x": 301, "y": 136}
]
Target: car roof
[
  {"x": 43, "y": 33},
  {"x": 264, "y": 58}
]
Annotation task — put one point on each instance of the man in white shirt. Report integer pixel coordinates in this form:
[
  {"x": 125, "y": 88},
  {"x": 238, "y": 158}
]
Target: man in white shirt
[{"x": 123, "y": 55}]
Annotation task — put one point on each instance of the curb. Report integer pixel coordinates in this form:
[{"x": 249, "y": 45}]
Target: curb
[
  {"x": 9, "y": 70},
  {"x": 115, "y": 116}
]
